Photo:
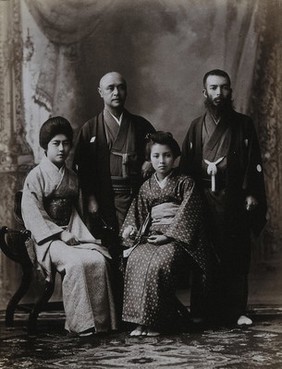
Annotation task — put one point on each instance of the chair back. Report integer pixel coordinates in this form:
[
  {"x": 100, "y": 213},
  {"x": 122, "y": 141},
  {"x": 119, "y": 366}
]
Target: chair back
[{"x": 18, "y": 207}]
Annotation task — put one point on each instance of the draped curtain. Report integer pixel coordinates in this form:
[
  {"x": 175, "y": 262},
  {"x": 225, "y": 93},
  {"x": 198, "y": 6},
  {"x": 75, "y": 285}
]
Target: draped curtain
[
  {"x": 162, "y": 47},
  {"x": 65, "y": 24}
]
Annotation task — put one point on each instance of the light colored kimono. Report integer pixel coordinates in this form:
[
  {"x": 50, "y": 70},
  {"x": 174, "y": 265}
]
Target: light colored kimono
[{"x": 48, "y": 208}]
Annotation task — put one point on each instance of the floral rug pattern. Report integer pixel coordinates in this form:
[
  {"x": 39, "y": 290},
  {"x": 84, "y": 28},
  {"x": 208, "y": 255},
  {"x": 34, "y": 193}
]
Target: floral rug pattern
[{"x": 258, "y": 346}]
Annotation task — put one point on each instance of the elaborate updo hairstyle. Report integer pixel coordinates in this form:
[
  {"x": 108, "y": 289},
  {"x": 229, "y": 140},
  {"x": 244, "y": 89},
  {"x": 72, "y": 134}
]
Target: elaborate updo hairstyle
[
  {"x": 53, "y": 127},
  {"x": 162, "y": 138}
]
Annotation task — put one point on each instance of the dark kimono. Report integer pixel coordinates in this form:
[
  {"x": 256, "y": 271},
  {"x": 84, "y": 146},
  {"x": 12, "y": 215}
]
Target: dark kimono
[
  {"x": 234, "y": 145},
  {"x": 108, "y": 160},
  {"x": 175, "y": 211}
]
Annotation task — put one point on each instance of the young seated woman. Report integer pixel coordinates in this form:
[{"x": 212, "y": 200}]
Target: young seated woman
[
  {"x": 61, "y": 240},
  {"x": 163, "y": 231}
]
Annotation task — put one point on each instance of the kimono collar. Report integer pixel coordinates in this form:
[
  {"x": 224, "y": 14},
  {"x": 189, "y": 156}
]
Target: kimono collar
[
  {"x": 226, "y": 116},
  {"x": 118, "y": 120},
  {"x": 162, "y": 183},
  {"x": 211, "y": 118}
]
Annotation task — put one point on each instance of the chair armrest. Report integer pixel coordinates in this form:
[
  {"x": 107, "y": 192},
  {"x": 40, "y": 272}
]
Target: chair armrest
[{"x": 12, "y": 243}]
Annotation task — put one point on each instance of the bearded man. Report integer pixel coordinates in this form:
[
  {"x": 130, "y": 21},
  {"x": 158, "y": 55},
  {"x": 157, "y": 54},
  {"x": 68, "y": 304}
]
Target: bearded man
[{"x": 221, "y": 152}]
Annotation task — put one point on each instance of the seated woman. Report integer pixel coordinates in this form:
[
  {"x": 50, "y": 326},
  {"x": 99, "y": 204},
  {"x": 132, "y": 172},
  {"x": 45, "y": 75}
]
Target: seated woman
[
  {"x": 167, "y": 218},
  {"x": 61, "y": 240}
]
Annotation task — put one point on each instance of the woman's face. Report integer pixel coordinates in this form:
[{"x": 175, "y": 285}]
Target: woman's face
[
  {"x": 162, "y": 159},
  {"x": 58, "y": 149}
]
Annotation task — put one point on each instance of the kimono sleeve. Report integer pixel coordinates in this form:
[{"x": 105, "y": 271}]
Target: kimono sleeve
[
  {"x": 85, "y": 156},
  {"x": 186, "y": 155},
  {"x": 136, "y": 214},
  {"x": 254, "y": 179},
  {"x": 188, "y": 222},
  {"x": 34, "y": 215},
  {"x": 190, "y": 159},
  {"x": 188, "y": 228}
]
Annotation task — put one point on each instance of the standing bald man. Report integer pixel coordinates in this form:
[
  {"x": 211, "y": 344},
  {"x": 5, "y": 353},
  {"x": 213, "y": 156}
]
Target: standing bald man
[{"x": 109, "y": 158}]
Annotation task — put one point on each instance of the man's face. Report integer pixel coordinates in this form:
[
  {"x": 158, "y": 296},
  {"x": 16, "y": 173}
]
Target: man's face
[
  {"x": 217, "y": 91},
  {"x": 112, "y": 89}
]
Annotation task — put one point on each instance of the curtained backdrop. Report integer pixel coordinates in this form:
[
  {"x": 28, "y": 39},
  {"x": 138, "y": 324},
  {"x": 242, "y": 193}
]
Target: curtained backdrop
[{"x": 163, "y": 48}]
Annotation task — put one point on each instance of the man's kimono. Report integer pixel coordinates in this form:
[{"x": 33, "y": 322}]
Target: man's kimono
[
  {"x": 233, "y": 146},
  {"x": 108, "y": 160},
  {"x": 150, "y": 278},
  {"x": 48, "y": 208}
]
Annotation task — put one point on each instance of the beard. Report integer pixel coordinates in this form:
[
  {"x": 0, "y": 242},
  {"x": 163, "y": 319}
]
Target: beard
[{"x": 224, "y": 106}]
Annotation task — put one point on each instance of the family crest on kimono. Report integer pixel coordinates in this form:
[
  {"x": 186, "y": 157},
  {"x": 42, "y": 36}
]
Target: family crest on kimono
[
  {"x": 109, "y": 159},
  {"x": 62, "y": 242},
  {"x": 221, "y": 152},
  {"x": 163, "y": 231}
]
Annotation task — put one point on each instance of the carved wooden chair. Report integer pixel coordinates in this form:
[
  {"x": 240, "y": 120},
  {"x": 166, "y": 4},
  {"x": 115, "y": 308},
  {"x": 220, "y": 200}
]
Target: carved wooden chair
[{"x": 13, "y": 245}]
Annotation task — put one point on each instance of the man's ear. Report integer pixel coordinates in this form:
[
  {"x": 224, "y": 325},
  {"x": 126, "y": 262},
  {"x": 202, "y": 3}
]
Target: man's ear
[
  {"x": 100, "y": 91},
  {"x": 205, "y": 93}
]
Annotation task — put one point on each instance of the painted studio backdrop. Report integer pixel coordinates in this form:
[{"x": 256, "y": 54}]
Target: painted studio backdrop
[{"x": 53, "y": 53}]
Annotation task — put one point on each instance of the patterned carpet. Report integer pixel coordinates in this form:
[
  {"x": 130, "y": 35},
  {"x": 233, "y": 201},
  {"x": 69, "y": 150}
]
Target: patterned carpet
[{"x": 256, "y": 347}]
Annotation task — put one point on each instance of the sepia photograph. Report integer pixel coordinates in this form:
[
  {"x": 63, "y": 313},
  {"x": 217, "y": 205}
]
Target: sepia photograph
[{"x": 140, "y": 184}]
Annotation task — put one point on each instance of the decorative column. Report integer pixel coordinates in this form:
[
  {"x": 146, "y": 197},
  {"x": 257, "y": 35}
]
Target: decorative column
[
  {"x": 266, "y": 108},
  {"x": 15, "y": 155}
]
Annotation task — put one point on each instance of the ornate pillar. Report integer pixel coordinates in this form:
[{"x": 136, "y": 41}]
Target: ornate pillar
[
  {"x": 266, "y": 108},
  {"x": 15, "y": 155}
]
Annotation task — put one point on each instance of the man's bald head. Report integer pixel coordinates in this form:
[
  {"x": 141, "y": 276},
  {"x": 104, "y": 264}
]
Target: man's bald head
[
  {"x": 108, "y": 77},
  {"x": 112, "y": 89}
]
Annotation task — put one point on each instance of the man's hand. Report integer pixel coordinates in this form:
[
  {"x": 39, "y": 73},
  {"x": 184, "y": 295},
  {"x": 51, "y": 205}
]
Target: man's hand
[
  {"x": 68, "y": 238},
  {"x": 251, "y": 203},
  {"x": 93, "y": 206},
  {"x": 158, "y": 239}
]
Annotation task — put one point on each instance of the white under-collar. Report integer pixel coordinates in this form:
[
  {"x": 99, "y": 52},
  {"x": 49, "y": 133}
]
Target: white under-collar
[
  {"x": 162, "y": 183},
  {"x": 118, "y": 120}
]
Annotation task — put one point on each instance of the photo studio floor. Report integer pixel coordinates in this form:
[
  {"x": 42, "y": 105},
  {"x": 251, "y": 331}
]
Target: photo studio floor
[{"x": 257, "y": 346}]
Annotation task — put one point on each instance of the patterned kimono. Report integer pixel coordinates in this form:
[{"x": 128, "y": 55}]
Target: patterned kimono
[
  {"x": 175, "y": 211},
  {"x": 48, "y": 208}
]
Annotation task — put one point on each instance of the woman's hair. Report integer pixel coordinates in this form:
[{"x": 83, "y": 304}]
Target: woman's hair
[
  {"x": 162, "y": 138},
  {"x": 53, "y": 127}
]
